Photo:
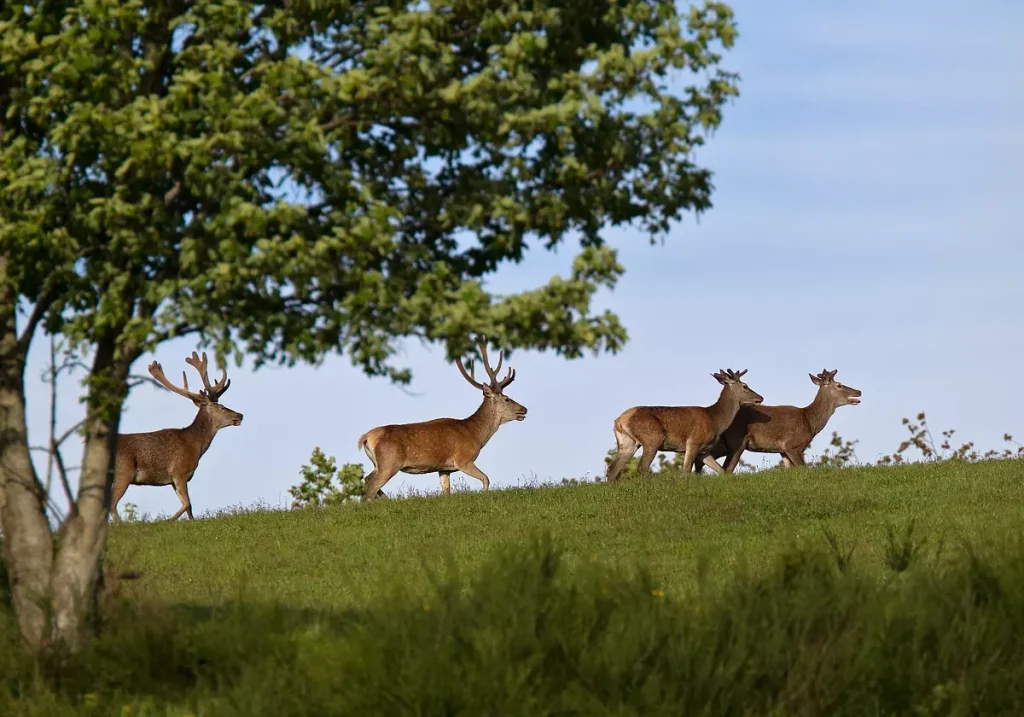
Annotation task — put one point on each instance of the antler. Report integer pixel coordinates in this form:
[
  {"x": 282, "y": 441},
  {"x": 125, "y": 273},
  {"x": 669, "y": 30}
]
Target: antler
[
  {"x": 730, "y": 374},
  {"x": 496, "y": 385},
  {"x": 215, "y": 391},
  {"x": 157, "y": 371}
]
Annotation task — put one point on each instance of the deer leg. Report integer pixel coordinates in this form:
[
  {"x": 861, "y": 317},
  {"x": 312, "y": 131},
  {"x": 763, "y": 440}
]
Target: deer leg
[
  {"x": 734, "y": 456},
  {"x": 115, "y": 497},
  {"x": 621, "y": 459},
  {"x": 689, "y": 458},
  {"x": 786, "y": 463},
  {"x": 796, "y": 458},
  {"x": 711, "y": 463},
  {"x": 626, "y": 448},
  {"x": 647, "y": 458},
  {"x": 470, "y": 469},
  {"x": 181, "y": 488},
  {"x": 376, "y": 480},
  {"x": 446, "y": 483}
]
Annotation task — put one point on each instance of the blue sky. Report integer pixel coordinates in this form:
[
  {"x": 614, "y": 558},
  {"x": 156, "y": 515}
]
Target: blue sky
[{"x": 867, "y": 212}]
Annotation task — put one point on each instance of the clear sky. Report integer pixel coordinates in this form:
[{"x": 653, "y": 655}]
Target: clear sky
[{"x": 870, "y": 184}]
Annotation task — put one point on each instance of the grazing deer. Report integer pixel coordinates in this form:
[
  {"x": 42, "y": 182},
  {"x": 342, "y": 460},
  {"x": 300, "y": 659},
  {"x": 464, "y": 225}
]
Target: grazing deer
[
  {"x": 170, "y": 456},
  {"x": 786, "y": 430},
  {"x": 443, "y": 445},
  {"x": 689, "y": 429}
]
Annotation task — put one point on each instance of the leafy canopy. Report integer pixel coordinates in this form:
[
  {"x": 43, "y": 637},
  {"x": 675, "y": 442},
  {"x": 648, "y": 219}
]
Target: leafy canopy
[{"x": 288, "y": 179}]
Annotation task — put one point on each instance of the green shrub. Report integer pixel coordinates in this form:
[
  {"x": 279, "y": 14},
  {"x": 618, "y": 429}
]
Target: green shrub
[{"x": 323, "y": 484}]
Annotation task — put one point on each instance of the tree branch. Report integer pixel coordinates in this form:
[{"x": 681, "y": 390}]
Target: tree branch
[
  {"x": 42, "y": 305},
  {"x": 67, "y": 434},
  {"x": 134, "y": 381},
  {"x": 62, "y": 473},
  {"x": 176, "y": 331}
]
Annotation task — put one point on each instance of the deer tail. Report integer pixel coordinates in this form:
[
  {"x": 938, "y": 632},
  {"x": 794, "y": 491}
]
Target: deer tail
[{"x": 364, "y": 445}]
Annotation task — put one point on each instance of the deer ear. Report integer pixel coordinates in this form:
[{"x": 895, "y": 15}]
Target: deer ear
[
  {"x": 718, "y": 377},
  {"x": 814, "y": 379}
]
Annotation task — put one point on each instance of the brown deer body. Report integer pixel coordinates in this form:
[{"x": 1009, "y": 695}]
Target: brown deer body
[
  {"x": 170, "y": 456},
  {"x": 443, "y": 445},
  {"x": 692, "y": 430},
  {"x": 785, "y": 430}
]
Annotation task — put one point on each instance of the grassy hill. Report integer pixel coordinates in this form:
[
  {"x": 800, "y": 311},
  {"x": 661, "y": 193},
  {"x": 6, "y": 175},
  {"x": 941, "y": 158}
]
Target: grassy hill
[
  {"x": 344, "y": 557},
  {"x": 672, "y": 595}
]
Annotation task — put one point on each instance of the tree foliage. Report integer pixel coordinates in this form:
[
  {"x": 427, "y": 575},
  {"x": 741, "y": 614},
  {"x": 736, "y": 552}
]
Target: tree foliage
[
  {"x": 294, "y": 179},
  {"x": 286, "y": 180},
  {"x": 324, "y": 484}
]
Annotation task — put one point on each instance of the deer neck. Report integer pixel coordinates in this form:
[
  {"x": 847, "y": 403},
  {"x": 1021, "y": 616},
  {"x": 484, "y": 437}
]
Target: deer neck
[
  {"x": 484, "y": 422},
  {"x": 818, "y": 412},
  {"x": 724, "y": 410},
  {"x": 203, "y": 430}
]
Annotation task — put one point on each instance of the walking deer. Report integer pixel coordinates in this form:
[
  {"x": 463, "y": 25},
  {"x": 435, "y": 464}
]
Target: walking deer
[
  {"x": 786, "y": 430},
  {"x": 170, "y": 456},
  {"x": 443, "y": 445},
  {"x": 692, "y": 430}
]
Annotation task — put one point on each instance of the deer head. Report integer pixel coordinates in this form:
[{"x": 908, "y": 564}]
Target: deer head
[
  {"x": 836, "y": 392},
  {"x": 734, "y": 384},
  {"x": 206, "y": 400},
  {"x": 503, "y": 407}
]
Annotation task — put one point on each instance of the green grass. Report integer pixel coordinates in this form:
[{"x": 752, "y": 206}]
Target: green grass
[
  {"x": 342, "y": 558},
  {"x": 805, "y": 592}
]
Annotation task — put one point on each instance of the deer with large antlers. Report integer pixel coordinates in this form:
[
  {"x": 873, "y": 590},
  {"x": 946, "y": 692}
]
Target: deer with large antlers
[
  {"x": 443, "y": 445},
  {"x": 786, "y": 430},
  {"x": 170, "y": 456},
  {"x": 691, "y": 430}
]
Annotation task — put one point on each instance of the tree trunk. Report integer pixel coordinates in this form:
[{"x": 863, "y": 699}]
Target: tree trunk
[
  {"x": 78, "y": 567},
  {"x": 52, "y": 598},
  {"x": 28, "y": 544}
]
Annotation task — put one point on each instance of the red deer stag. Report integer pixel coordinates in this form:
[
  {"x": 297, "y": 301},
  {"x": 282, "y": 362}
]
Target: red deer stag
[
  {"x": 443, "y": 445},
  {"x": 786, "y": 430},
  {"x": 692, "y": 430},
  {"x": 170, "y": 456}
]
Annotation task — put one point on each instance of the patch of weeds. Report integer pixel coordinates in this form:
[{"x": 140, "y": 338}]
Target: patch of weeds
[
  {"x": 901, "y": 549},
  {"x": 842, "y": 555}
]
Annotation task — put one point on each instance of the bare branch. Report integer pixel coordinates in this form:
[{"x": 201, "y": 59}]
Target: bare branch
[
  {"x": 57, "y": 513},
  {"x": 42, "y": 305},
  {"x": 136, "y": 380},
  {"x": 67, "y": 434},
  {"x": 52, "y": 380},
  {"x": 63, "y": 474}
]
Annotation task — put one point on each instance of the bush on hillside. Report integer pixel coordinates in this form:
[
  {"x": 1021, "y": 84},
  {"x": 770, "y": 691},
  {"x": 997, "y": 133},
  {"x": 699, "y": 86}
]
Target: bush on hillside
[{"x": 324, "y": 484}]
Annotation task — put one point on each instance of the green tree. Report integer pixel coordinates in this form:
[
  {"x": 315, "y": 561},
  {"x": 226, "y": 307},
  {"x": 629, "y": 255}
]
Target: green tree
[
  {"x": 286, "y": 180},
  {"x": 318, "y": 486}
]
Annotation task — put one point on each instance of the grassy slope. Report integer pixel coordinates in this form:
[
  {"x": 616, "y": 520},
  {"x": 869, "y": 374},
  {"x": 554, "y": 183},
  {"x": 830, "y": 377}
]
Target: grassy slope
[{"x": 344, "y": 557}]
